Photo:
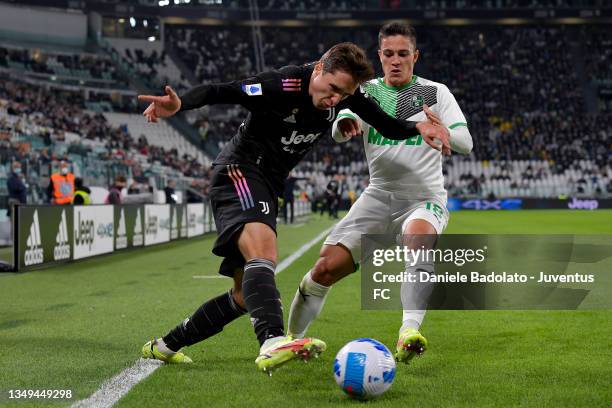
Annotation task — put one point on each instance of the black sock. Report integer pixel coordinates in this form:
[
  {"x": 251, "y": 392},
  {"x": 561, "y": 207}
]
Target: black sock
[
  {"x": 207, "y": 321},
  {"x": 262, "y": 299}
]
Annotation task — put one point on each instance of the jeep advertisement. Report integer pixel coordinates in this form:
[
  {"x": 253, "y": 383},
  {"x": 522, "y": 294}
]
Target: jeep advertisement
[
  {"x": 50, "y": 234},
  {"x": 93, "y": 230},
  {"x": 157, "y": 223}
]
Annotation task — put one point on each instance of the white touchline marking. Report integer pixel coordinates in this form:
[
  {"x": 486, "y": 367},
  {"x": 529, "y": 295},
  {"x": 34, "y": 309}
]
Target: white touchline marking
[
  {"x": 301, "y": 251},
  {"x": 208, "y": 276},
  {"x": 114, "y": 389}
]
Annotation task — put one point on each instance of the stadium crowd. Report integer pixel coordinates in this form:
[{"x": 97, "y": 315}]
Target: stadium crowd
[
  {"x": 57, "y": 118},
  {"x": 346, "y": 5},
  {"x": 506, "y": 81}
]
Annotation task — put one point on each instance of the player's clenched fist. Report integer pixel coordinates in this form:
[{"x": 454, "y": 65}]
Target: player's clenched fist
[
  {"x": 161, "y": 106},
  {"x": 348, "y": 128}
]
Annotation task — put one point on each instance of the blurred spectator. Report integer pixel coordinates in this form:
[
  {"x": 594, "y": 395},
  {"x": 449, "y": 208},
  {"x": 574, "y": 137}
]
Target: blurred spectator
[
  {"x": 134, "y": 188},
  {"x": 61, "y": 187},
  {"x": 81, "y": 193},
  {"x": 332, "y": 198},
  {"x": 17, "y": 189},
  {"x": 114, "y": 192},
  {"x": 194, "y": 188},
  {"x": 170, "y": 192},
  {"x": 289, "y": 197}
]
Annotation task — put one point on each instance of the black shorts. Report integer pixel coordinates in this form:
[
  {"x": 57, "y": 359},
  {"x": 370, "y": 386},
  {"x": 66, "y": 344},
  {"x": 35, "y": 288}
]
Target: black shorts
[{"x": 239, "y": 194}]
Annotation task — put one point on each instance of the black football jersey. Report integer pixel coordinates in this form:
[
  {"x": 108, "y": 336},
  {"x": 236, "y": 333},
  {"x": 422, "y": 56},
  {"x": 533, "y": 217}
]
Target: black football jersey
[{"x": 283, "y": 124}]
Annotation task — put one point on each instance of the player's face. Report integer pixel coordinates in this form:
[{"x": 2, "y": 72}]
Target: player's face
[
  {"x": 397, "y": 55},
  {"x": 327, "y": 89}
]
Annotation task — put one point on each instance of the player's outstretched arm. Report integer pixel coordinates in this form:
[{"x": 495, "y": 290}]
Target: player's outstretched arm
[
  {"x": 161, "y": 106},
  {"x": 253, "y": 93},
  {"x": 370, "y": 112},
  {"x": 396, "y": 129}
]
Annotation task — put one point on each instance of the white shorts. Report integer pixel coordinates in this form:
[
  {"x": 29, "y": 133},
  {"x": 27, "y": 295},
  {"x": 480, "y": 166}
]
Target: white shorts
[{"x": 381, "y": 212}]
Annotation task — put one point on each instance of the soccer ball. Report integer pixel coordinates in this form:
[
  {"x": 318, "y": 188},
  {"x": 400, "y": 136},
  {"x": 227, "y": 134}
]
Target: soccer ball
[{"x": 364, "y": 368}]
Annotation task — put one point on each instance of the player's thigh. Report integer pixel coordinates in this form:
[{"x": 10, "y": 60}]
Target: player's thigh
[
  {"x": 245, "y": 211},
  {"x": 427, "y": 218},
  {"x": 369, "y": 215},
  {"x": 257, "y": 240}
]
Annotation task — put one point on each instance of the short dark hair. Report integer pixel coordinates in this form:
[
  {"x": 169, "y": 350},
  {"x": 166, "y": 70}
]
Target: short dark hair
[
  {"x": 349, "y": 58},
  {"x": 397, "y": 28}
]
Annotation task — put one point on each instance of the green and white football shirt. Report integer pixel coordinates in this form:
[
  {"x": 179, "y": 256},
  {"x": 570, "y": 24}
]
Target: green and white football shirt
[{"x": 407, "y": 167}]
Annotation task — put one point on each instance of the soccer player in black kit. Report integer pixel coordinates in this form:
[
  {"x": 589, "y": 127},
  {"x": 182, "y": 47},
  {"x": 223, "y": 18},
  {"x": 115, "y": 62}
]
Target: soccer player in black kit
[{"x": 290, "y": 109}]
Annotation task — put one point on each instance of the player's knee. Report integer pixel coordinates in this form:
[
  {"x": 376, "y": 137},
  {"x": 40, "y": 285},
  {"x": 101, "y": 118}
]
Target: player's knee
[
  {"x": 331, "y": 267},
  {"x": 322, "y": 273}
]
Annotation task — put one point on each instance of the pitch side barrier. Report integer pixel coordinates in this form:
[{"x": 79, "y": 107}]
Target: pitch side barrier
[
  {"x": 46, "y": 235},
  {"x": 455, "y": 204},
  {"x": 50, "y": 234}
]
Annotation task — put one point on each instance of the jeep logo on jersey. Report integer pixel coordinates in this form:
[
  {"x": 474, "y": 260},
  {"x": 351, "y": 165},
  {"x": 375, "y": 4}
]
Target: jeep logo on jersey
[
  {"x": 84, "y": 232},
  {"x": 297, "y": 138},
  {"x": 61, "y": 250},
  {"x": 34, "y": 252},
  {"x": 376, "y": 138}
]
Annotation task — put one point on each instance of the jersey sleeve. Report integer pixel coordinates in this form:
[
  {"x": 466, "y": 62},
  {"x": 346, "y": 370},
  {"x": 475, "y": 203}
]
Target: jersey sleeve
[
  {"x": 344, "y": 114},
  {"x": 369, "y": 111},
  {"x": 254, "y": 93},
  {"x": 452, "y": 117}
]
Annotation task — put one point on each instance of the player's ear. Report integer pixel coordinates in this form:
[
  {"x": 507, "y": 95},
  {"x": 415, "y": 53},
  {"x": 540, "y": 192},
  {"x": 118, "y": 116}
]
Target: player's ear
[
  {"x": 416, "y": 55},
  {"x": 318, "y": 68}
]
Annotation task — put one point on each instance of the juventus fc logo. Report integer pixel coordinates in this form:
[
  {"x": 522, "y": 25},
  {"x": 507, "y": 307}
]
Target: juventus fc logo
[{"x": 265, "y": 208}]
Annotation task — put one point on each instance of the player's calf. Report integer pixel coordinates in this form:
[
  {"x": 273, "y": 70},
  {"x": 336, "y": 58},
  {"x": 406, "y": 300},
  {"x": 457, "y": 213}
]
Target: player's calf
[{"x": 334, "y": 263}]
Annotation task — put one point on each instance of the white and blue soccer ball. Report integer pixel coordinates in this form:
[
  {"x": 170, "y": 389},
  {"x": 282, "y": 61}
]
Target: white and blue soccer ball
[{"x": 364, "y": 368}]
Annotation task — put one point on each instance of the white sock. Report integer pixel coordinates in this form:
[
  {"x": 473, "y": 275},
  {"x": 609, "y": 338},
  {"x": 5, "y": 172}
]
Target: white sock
[
  {"x": 412, "y": 319},
  {"x": 415, "y": 296},
  {"x": 161, "y": 346},
  {"x": 306, "y": 306}
]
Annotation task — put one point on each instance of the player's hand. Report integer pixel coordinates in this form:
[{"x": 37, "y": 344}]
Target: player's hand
[
  {"x": 435, "y": 136},
  {"x": 432, "y": 116},
  {"x": 161, "y": 106},
  {"x": 349, "y": 127}
]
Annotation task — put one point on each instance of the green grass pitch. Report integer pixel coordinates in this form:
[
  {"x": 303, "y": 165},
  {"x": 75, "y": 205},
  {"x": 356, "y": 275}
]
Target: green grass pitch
[{"x": 73, "y": 326}]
